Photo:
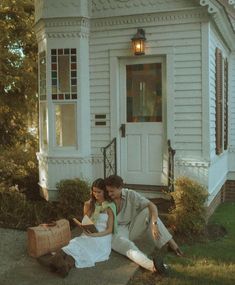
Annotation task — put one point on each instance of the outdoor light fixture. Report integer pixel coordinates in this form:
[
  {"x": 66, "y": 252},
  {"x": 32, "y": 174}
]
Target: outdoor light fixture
[{"x": 138, "y": 42}]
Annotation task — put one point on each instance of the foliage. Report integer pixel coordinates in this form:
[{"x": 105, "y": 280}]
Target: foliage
[
  {"x": 207, "y": 263},
  {"x": 16, "y": 211},
  {"x": 188, "y": 216},
  {"x": 19, "y": 166},
  {"x": 18, "y": 99},
  {"x": 72, "y": 195},
  {"x": 18, "y": 72}
]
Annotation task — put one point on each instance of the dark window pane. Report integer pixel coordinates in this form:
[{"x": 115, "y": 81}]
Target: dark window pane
[
  {"x": 54, "y": 96},
  {"x": 74, "y": 81},
  {"x": 74, "y": 66},
  {"x": 53, "y": 51},
  {"x": 53, "y": 59},
  {"x": 73, "y": 51},
  {"x": 61, "y": 96},
  {"x": 54, "y": 82},
  {"x": 66, "y": 51},
  {"x": 74, "y": 96},
  {"x": 73, "y": 73},
  {"x": 67, "y": 96},
  {"x": 54, "y": 74},
  {"x": 73, "y": 58},
  {"x": 54, "y": 66},
  {"x": 60, "y": 51}
]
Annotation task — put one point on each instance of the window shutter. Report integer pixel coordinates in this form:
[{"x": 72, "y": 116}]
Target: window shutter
[
  {"x": 225, "y": 104},
  {"x": 218, "y": 101}
]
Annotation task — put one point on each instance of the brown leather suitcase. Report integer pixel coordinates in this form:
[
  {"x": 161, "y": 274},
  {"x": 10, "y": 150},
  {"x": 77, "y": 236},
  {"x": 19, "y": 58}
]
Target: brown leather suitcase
[{"x": 46, "y": 238}]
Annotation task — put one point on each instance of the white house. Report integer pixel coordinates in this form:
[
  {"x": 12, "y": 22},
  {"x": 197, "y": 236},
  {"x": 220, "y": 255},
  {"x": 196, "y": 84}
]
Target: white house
[{"x": 94, "y": 89}]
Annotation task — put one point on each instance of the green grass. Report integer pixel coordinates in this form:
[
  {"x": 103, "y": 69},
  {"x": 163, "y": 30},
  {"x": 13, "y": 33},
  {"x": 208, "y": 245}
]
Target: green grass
[{"x": 207, "y": 263}]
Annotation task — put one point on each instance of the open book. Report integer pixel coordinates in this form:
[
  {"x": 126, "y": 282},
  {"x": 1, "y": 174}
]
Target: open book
[{"x": 86, "y": 224}]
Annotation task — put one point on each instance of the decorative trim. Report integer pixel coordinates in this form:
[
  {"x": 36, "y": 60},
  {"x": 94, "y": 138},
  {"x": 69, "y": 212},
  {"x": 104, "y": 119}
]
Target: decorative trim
[
  {"x": 222, "y": 21},
  {"x": 44, "y": 27},
  {"x": 211, "y": 7},
  {"x": 67, "y": 22},
  {"x": 191, "y": 163},
  {"x": 60, "y": 35},
  {"x": 45, "y": 4},
  {"x": 69, "y": 160},
  {"x": 231, "y": 2},
  {"x": 104, "y": 5},
  {"x": 155, "y": 18}
]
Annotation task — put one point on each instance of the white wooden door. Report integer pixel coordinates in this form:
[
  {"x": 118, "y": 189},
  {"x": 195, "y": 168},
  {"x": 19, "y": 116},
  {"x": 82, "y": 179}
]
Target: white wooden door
[{"x": 141, "y": 113}]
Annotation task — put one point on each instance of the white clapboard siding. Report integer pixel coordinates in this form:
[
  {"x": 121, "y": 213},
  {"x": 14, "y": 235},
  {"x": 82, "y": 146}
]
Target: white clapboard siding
[{"x": 186, "y": 40}]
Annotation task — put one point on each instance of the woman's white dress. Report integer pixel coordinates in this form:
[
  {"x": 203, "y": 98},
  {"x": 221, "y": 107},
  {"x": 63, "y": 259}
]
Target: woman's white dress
[{"x": 88, "y": 250}]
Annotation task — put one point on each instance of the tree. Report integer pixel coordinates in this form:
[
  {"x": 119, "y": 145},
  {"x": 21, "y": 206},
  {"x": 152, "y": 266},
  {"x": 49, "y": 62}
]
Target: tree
[
  {"x": 18, "y": 71},
  {"x": 18, "y": 95}
]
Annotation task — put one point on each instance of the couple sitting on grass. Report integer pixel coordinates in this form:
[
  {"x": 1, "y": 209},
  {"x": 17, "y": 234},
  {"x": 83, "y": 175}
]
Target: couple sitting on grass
[{"x": 121, "y": 216}]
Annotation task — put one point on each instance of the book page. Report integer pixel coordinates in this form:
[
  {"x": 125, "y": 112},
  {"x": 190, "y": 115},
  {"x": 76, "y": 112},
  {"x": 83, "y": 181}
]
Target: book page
[{"x": 86, "y": 220}]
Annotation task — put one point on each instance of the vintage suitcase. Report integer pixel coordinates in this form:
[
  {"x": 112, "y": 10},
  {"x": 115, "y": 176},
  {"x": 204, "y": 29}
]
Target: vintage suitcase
[{"x": 46, "y": 238}]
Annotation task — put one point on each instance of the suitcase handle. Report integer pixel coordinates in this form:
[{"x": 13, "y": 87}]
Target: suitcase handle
[{"x": 48, "y": 225}]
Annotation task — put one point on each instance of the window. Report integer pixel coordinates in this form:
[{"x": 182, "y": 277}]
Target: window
[
  {"x": 65, "y": 124},
  {"x": 42, "y": 75},
  {"x": 144, "y": 92},
  {"x": 64, "y": 74},
  {"x": 43, "y": 125}
]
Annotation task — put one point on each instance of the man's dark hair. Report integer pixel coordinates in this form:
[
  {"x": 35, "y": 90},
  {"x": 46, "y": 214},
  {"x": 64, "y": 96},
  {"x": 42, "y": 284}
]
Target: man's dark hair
[{"x": 114, "y": 181}]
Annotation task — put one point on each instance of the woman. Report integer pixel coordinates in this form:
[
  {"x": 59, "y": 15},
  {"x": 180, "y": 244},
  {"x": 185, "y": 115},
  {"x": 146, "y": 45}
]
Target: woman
[{"x": 89, "y": 248}]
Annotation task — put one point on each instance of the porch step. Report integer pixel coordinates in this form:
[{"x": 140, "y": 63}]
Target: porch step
[
  {"x": 150, "y": 191},
  {"x": 156, "y": 194}
]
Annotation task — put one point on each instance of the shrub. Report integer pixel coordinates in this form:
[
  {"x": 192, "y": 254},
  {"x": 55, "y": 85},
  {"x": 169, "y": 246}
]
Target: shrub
[
  {"x": 19, "y": 166},
  {"x": 19, "y": 213},
  {"x": 188, "y": 217},
  {"x": 72, "y": 195}
]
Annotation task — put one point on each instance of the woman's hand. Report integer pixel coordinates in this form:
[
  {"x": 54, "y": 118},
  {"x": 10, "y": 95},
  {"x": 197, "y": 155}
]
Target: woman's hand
[{"x": 90, "y": 234}]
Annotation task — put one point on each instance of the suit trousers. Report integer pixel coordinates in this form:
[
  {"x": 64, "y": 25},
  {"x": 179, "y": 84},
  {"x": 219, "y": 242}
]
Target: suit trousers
[{"x": 123, "y": 241}]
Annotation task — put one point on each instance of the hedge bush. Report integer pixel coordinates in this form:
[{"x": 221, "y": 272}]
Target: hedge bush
[
  {"x": 71, "y": 197},
  {"x": 188, "y": 217},
  {"x": 19, "y": 166},
  {"x": 16, "y": 211},
  {"x": 19, "y": 212}
]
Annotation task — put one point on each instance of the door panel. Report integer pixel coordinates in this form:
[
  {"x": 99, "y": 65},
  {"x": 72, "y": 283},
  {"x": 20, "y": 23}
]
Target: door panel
[{"x": 141, "y": 149}]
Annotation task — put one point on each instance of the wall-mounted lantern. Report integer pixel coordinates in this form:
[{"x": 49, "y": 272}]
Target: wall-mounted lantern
[{"x": 138, "y": 42}]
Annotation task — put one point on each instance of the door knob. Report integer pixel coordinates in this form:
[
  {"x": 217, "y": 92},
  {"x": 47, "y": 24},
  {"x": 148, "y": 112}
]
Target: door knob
[{"x": 123, "y": 130}]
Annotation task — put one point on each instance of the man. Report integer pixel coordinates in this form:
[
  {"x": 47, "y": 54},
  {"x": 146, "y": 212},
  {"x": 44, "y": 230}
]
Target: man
[{"x": 135, "y": 214}]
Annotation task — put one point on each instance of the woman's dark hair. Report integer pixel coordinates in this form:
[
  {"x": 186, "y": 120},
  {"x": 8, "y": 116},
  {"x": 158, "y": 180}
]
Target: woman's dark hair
[
  {"x": 114, "y": 181},
  {"x": 98, "y": 183}
]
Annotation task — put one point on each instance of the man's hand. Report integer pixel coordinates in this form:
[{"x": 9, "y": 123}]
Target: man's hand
[{"x": 155, "y": 232}]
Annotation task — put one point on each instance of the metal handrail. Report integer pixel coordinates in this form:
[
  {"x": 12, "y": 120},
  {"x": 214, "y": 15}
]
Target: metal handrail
[
  {"x": 110, "y": 158},
  {"x": 171, "y": 154}
]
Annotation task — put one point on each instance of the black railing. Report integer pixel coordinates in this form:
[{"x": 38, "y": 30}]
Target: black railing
[
  {"x": 171, "y": 154},
  {"x": 110, "y": 158}
]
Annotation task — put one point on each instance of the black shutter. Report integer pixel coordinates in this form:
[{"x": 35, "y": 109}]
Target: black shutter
[
  {"x": 225, "y": 104},
  {"x": 218, "y": 101}
]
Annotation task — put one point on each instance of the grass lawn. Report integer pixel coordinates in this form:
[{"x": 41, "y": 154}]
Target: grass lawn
[{"x": 211, "y": 262}]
